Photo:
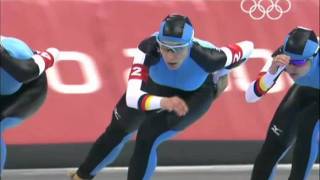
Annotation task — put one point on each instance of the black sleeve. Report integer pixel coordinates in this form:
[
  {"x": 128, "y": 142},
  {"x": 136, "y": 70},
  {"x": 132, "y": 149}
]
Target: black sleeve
[
  {"x": 277, "y": 51},
  {"x": 233, "y": 65},
  {"x": 149, "y": 45},
  {"x": 151, "y": 48},
  {"x": 22, "y": 71},
  {"x": 210, "y": 59}
]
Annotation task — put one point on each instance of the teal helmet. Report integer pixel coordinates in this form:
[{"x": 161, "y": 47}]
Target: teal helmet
[
  {"x": 20, "y": 51},
  {"x": 175, "y": 31},
  {"x": 16, "y": 48},
  {"x": 301, "y": 44}
]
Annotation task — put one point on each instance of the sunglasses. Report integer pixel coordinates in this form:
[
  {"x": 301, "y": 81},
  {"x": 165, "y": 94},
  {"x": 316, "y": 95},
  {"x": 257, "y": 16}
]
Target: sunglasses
[{"x": 175, "y": 48}]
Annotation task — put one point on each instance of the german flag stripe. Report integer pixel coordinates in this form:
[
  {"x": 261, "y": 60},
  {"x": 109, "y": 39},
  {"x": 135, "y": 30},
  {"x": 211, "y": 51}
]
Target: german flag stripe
[
  {"x": 143, "y": 102},
  {"x": 257, "y": 88}
]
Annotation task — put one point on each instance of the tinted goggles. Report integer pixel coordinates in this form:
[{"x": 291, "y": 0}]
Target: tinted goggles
[
  {"x": 172, "y": 47},
  {"x": 298, "y": 62}
]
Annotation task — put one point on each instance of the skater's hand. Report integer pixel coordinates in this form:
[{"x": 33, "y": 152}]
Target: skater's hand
[
  {"x": 279, "y": 61},
  {"x": 175, "y": 104}
]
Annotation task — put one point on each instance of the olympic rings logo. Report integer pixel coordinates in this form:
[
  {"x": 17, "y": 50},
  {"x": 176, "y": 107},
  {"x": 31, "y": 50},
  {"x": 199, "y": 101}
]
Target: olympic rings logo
[{"x": 258, "y": 11}]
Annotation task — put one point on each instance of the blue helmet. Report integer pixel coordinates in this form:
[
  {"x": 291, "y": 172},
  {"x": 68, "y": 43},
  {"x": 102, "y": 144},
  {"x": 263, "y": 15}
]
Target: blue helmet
[
  {"x": 16, "y": 48},
  {"x": 301, "y": 44},
  {"x": 176, "y": 29},
  {"x": 20, "y": 51}
]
